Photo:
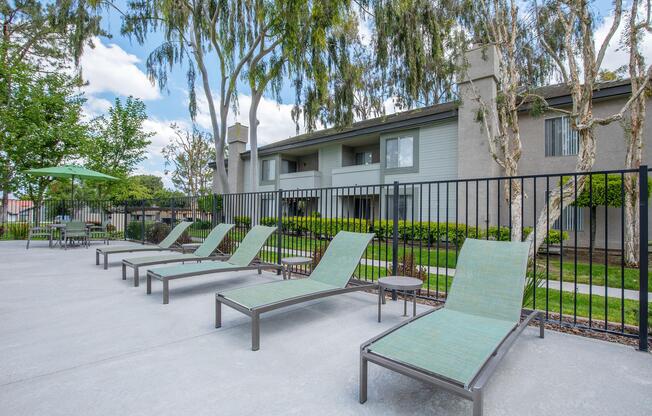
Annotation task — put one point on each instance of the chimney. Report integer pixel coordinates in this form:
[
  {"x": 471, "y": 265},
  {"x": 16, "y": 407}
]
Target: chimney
[
  {"x": 237, "y": 137},
  {"x": 479, "y": 76}
]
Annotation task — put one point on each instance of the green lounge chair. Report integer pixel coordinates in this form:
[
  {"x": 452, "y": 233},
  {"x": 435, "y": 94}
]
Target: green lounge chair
[
  {"x": 168, "y": 244},
  {"x": 458, "y": 346},
  {"x": 204, "y": 252},
  {"x": 330, "y": 277},
  {"x": 244, "y": 258}
]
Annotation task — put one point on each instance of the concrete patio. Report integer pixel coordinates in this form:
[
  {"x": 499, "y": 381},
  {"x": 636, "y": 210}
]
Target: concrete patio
[{"x": 78, "y": 340}]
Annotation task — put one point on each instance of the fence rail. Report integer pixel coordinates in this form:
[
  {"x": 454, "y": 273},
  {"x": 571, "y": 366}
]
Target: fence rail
[{"x": 580, "y": 276}]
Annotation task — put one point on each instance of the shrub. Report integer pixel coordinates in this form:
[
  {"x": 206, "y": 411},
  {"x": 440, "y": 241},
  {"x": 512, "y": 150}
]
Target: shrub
[
  {"x": 428, "y": 232},
  {"x": 227, "y": 245},
  {"x": 203, "y": 225},
  {"x": 319, "y": 227},
  {"x": 134, "y": 229},
  {"x": 157, "y": 232},
  {"x": 242, "y": 221},
  {"x": 408, "y": 266},
  {"x": 16, "y": 231},
  {"x": 318, "y": 254}
]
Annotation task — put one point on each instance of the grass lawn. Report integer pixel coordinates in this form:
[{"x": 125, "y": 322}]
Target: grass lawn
[{"x": 382, "y": 250}]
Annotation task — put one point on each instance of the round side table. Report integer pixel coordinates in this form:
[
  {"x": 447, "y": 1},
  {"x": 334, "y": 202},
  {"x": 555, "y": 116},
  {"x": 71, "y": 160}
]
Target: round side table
[
  {"x": 401, "y": 284},
  {"x": 288, "y": 262}
]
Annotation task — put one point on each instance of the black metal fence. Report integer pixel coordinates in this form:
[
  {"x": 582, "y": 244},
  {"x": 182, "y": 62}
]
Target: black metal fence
[{"x": 580, "y": 276}]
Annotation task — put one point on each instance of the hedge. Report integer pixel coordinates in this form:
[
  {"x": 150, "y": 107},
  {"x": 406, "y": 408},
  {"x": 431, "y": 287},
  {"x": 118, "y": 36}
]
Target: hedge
[
  {"x": 134, "y": 228},
  {"x": 428, "y": 232}
]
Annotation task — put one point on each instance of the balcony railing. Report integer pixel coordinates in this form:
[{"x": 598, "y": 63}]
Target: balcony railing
[
  {"x": 357, "y": 175},
  {"x": 300, "y": 180}
]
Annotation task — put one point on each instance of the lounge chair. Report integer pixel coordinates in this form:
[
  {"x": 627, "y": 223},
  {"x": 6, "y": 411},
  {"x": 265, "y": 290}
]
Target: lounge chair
[
  {"x": 204, "y": 252},
  {"x": 330, "y": 277},
  {"x": 168, "y": 244},
  {"x": 458, "y": 346},
  {"x": 244, "y": 258}
]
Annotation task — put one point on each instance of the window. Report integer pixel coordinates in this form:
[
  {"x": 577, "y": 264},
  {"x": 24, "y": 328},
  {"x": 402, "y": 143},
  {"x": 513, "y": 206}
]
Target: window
[
  {"x": 288, "y": 166},
  {"x": 399, "y": 152},
  {"x": 568, "y": 221},
  {"x": 362, "y": 208},
  {"x": 561, "y": 139},
  {"x": 268, "y": 172},
  {"x": 402, "y": 206},
  {"x": 364, "y": 158}
]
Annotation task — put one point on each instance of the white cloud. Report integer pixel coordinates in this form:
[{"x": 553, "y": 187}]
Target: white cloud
[
  {"x": 364, "y": 30},
  {"x": 162, "y": 133},
  {"x": 95, "y": 106},
  {"x": 616, "y": 55},
  {"x": 275, "y": 120},
  {"x": 109, "y": 68}
]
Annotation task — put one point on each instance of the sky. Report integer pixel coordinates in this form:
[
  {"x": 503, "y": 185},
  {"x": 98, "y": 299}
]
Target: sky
[{"x": 115, "y": 67}]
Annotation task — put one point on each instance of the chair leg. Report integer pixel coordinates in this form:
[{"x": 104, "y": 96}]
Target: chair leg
[
  {"x": 541, "y": 325},
  {"x": 136, "y": 277},
  {"x": 255, "y": 332},
  {"x": 166, "y": 292},
  {"x": 124, "y": 271},
  {"x": 363, "y": 380},
  {"x": 149, "y": 284},
  {"x": 97, "y": 258},
  {"x": 218, "y": 313},
  {"x": 106, "y": 261},
  {"x": 29, "y": 238},
  {"x": 477, "y": 402}
]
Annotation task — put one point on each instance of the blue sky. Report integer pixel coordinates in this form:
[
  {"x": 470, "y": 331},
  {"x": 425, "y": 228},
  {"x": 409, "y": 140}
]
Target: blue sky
[{"x": 116, "y": 68}]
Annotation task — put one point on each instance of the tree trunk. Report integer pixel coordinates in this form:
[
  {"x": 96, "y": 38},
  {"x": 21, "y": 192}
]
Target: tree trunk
[
  {"x": 585, "y": 161},
  {"x": 635, "y": 143},
  {"x": 5, "y": 204},
  {"x": 253, "y": 139}
]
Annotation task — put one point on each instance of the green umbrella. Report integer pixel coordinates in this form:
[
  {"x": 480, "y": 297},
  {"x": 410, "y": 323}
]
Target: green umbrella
[{"x": 72, "y": 172}]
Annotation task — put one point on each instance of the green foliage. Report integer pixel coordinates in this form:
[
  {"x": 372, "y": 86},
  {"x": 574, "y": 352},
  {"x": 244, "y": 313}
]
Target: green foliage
[
  {"x": 118, "y": 141},
  {"x": 134, "y": 229},
  {"x": 242, "y": 221},
  {"x": 205, "y": 203},
  {"x": 319, "y": 227},
  {"x": 598, "y": 192},
  {"x": 14, "y": 231},
  {"x": 554, "y": 236},
  {"x": 156, "y": 232},
  {"x": 424, "y": 231}
]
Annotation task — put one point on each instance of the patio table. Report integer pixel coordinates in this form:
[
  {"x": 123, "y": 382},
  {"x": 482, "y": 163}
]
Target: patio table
[
  {"x": 402, "y": 284},
  {"x": 288, "y": 262}
]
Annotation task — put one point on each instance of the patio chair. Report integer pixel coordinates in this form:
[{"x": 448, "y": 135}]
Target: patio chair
[
  {"x": 330, "y": 277},
  {"x": 39, "y": 232},
  {"x": 169, "y": 243},
  {"x": 458, "y": 346},
  {"x": 75, "y": 231},
  {"x": 244, "y": 258},
  {"x": 204, "y": 252},
  {"x": 101, "y": 231}
]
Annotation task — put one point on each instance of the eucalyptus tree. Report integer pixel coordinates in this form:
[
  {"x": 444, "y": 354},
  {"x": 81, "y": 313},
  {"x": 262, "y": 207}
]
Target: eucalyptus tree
[
  {"x": 634, "y": 122},
  {"x": 186, "y": 160},
  {"x": 294, "y": 37},
  {"x": 567, "y": 32},
  {"x": 522, "y": 66},
  {"x": 44, "y": 34},
  {"x": 203, "y": 35}
]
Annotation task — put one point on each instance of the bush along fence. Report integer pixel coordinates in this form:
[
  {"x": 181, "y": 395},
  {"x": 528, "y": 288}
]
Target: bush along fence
[{"x": 582, "y": 275}]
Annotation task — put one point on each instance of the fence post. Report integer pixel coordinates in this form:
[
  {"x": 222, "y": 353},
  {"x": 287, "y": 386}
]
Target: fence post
[
  {"x": 142, "y": 222},
  {"x": 395, "y": 203},
  {"x": 643, "y": 261},
  {"x": 279, "y": 226},
  {"x": 214, "y": 210},
  {"x": 124, "y": 225},
  {"x": 174, "y": 213}
]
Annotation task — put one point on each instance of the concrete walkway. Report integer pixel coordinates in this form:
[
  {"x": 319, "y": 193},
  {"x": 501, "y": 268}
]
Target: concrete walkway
[
  {"x": 77, "y": 340},
  {"x": 582, "y": 288}
]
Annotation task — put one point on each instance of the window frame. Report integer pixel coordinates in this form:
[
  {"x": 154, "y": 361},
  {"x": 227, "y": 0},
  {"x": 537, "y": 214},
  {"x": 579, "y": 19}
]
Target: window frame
[
  {"x": 414, "y": 134},
  {"x": 262, "y": 180},
  {"x": 565, "y": 144}
]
